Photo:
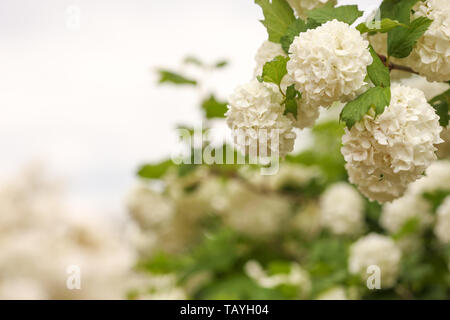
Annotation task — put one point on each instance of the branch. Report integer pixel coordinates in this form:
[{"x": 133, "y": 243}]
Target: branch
[{"x": 393, "y": 66}]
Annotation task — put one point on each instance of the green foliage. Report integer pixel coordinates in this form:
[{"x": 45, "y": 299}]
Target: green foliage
[
  {"x": 291, "y": 100},
  {"x": 399, "y": 10},
  {"x": 237, "y": 286},
  {"x": 384, "y": 26},
  {"x": 214, "y": 108},
  {"x": 410, "y": 227},
  {"x": 401, "y": 40},
  {"x": 166, "y": 76},
  {"x": 326, "y": 154},
  {"x": 377, "y": 71},
  {"x": 154, "y": 171},
  {"x": 221, "y": 64},
  {"x": 441, "y": 104},
  {"x": 278, "y": 15},
  {"x": 292, "y": 31},
  {"x": 274, "y": 70},
  {"x": 377, "y": 98},
  {"x": 347, "y": 14},
  {"x": 436, "y": 197}
]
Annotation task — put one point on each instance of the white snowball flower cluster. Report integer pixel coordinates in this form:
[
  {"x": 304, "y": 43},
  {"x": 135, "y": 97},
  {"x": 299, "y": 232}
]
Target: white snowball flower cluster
[
  {"x": 400, "y": 211},
  {"x": 266, "y": 52},
  {"x": 302, "y": 6},
  {"x": 329, "y": 63},
  {"x": 378, "y": 250},
  {"x": 342, "y": 209},
  {"x": 431, "y": 54},
  {"x": 442, "y": 227},
  {"x": 386, "y": 153},
  {"x": 255, "y": 115}
]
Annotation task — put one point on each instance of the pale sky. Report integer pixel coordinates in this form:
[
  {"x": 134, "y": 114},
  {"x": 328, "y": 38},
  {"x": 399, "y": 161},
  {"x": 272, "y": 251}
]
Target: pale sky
[{"x": 84, "y": 101}]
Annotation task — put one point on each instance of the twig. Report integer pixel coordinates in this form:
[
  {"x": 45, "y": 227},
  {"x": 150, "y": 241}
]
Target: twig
[{"x": 394, "y": 66}]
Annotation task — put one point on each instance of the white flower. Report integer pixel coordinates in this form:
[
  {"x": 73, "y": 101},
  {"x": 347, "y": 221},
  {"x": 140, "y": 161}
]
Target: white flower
[
  {"x": 335, "y": 293},
  {"x": 430, "y": 89},
  {"x": 342, "y": 209},
  {"x": 437, "y": 177},
  {"x": 307, "y": 220},
  {"x": 386, "y": 153},
  {"x": 329, "y": 63},
  {"x": 149, "y": 208},
  {"x": 303, "y": 6},
  {"x": 442, "y": 228},
  {"x": 253, "y": 213},
  {"x": 402, "y": 210},
  {"x": 255, "y": 115},
  {"x": 266, "y": 52},
  {"x": 377, "y": 250},
  {"x": 431, "y": 54},
  {"x": 307, "y": 114},
  {"x": 297, "y": 276}
]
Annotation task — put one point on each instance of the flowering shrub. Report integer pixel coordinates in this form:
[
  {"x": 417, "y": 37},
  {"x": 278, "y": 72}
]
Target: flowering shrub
[{"x": 225, "y": 230}]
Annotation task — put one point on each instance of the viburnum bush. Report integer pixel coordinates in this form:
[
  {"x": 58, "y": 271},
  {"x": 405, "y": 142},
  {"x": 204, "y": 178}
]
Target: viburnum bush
[{"x": 368, "y": 191}]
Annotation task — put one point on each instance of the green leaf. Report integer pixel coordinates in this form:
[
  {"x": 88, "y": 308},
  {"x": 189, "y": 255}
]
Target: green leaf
[
  {"x": 354, "y": 111},
  {"x": 278, "y": 15},
  {"x": 384, "y": 25},
  {"x": 293, "y": 30},
  {"x": 441, "y": 104},
  {"x": 166, "y": 76},
  {"x": 377, "y": 71},
  {"x": 214, "y": 108},
  {"x": 291, "y": 100},
  {"x": 275, "y": 70},
  {"x": 193, "y": 60},
  {"x": 221, "y": 64},
  {"x": 436, "y": 197},
  {"x": 154, "y": 171},
  {"x": 347, "y": 14},
  {"x": 401, "y": 40},
  {"x": 399, "y": 10}
]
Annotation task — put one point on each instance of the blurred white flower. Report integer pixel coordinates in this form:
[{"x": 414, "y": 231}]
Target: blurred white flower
[
  {"x": 342, "y": 209},
  {"x": 378, "y": 250},
  {"x": 442, "y": 228},
  {"x": 400, "y": 211},
  {"x": 335, "y": 293},
  {"x": 386, "y": 153},
  {"x": 297, "y": 276},
  {"x": 254, "y": 213},
  {"x": 328, "y": 64}
]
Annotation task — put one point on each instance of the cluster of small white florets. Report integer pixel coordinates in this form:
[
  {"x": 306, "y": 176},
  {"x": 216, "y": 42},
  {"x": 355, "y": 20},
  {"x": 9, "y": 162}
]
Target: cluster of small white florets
[
  {"x": 301, "y": 7},
  {"x": 328, "y": 64},
  {"x": 259, "y": 127},
  {"x": 387, "y": 152},
  {"x": 442, "y": 227},
  {"x": 400, "y": 211},
  {"x": 266, "y": 52},
  {"x": 431, "y": 54},
  {"x": 376, "y": 250},
  {"x": 342, "y": 209}
]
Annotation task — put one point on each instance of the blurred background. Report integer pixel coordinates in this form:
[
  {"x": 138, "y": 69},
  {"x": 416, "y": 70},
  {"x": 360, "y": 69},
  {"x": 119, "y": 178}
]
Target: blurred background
[{"x": 78, "y": 91}]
